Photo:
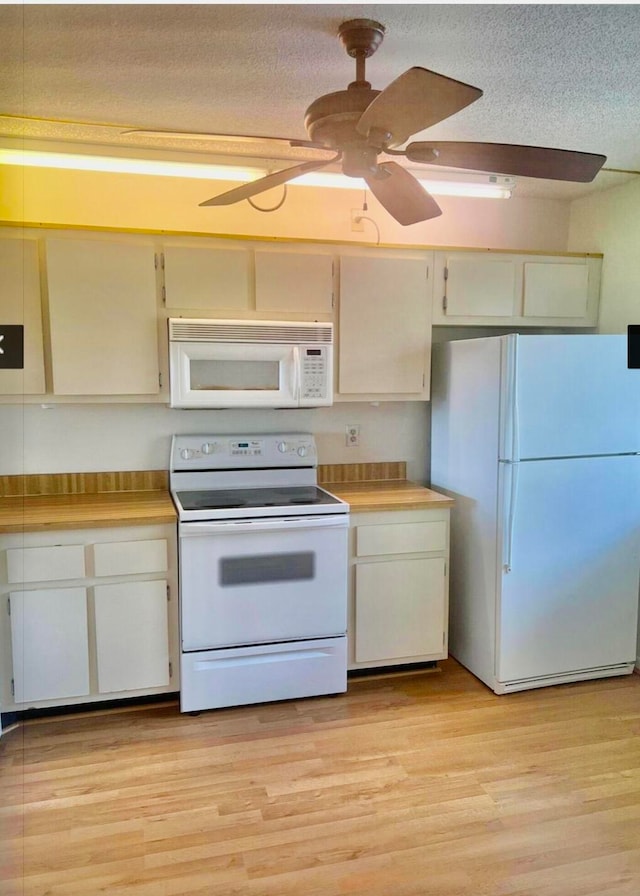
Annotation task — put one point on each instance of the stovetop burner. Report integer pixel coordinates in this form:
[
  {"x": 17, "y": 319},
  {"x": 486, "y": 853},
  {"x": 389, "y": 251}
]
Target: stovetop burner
[{"x": 281, "y": 496}]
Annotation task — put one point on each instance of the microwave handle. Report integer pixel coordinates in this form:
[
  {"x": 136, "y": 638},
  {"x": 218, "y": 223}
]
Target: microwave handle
[{"x": 295, "y": 378}]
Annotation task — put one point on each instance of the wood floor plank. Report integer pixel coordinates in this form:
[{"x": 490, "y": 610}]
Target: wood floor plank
[{"x": 408, "y": 785}]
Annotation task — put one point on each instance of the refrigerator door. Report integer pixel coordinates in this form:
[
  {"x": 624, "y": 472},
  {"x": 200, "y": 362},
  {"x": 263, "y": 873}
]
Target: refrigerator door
[
  {"x": 570, "y": 550},
  {"x": 568, "y": 396}
]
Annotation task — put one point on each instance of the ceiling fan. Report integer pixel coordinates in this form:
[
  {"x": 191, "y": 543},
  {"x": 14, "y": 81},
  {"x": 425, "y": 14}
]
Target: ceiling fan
[{"x": 359, "y": 124}]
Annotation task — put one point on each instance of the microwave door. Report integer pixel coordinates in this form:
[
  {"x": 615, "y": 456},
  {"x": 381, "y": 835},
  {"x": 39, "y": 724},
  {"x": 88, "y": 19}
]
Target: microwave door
[{"x": 242, "y": 375}]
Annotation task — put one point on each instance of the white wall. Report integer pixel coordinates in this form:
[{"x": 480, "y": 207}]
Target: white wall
[
  {"x": 128, "y": 201},
  {"x": 609, "y": 222},
  {"x": 87, "y": 438}
]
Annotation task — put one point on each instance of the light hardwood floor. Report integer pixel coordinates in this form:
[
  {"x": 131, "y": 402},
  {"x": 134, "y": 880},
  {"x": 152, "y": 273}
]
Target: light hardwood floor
[{"x": 415, "y": 785}]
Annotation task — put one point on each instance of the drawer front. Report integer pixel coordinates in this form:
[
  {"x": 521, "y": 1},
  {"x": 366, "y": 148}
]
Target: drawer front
[
  {"x": 46, "y": 564},
  {"x": 121, "y": 558},
  {"x": 401, "y": 538}
]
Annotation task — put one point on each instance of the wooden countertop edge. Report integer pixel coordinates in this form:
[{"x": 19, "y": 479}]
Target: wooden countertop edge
[
  {"x": 390, "y": 495},
  {"x": 43, "y": 513}
]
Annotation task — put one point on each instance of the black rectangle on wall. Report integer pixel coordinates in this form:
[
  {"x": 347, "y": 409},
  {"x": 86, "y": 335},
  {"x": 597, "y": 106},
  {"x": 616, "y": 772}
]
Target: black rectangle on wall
[
  {"x": 633, "y": 355},
  {"x": 11, "y": 347}
]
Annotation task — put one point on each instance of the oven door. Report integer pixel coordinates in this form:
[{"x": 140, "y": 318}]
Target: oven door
[{"x": 257, "y": 582}]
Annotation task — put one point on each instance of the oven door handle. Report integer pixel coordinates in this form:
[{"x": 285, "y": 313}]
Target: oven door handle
[{"x": 235, "y": 527}]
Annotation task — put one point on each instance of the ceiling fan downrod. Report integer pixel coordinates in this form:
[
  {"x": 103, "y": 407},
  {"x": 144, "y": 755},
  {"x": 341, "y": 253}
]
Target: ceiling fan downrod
[{"x": 361, "y": 38}]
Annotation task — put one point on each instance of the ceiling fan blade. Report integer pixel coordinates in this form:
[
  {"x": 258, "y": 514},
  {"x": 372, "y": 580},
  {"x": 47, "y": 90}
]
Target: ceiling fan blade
[
  {"x": 415, "y": 101},
  {"x": 222, "y": 138},
  {"x": 245, "y": 191},
  {"x": 401, "y": 195},
  {"x": 506, "y": 158}
]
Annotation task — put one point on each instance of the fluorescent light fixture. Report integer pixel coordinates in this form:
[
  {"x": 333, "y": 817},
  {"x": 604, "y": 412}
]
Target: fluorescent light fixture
[
  {"x": 483, "y": 186},
  {"x": 120, "y": 165},
  {"x": 479, "y": 186}
]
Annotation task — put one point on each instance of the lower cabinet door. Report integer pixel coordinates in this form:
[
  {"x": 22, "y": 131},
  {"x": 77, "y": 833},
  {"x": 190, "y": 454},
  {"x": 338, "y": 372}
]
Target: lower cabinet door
[
  {"x": 400, "y": 606},
  {"x": 132, "y": 636},
  {"x": 50, "y": 643}
]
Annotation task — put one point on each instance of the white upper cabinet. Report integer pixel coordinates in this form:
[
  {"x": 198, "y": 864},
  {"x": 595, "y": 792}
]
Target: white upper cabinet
[
  {"x": 494, "y": 289},
  {"x": 206, "y": 277},
  {"x": 300, "y": 282},
  {"x": 384, "y": 326},
  {"x": 103, "y": 317},
  {"x": 20, "y": 305}
]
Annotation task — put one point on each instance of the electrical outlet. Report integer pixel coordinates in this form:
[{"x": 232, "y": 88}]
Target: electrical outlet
[
  {"x": 352, "y": 435},
  {"x": 356, "y": 213}
]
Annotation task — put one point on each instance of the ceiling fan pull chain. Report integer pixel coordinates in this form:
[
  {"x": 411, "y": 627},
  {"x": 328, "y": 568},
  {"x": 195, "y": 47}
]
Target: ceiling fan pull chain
[{"x": 274, "y": 208}]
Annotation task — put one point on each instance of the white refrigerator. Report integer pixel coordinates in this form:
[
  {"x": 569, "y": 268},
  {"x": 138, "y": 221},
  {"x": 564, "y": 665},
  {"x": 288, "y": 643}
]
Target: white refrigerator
[{"x": 538, "y": 440}]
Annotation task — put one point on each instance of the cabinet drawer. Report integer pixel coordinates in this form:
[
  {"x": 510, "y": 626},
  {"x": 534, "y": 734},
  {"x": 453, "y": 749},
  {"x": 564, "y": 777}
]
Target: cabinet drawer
[
  {"x": 401, "y": 538},
  {"x": 121, "y": 558},
  {"x": 46, "y": 564}
]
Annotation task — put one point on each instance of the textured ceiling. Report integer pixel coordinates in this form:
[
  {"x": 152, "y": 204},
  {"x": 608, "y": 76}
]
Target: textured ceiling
[{"x": 554, "y": 75}]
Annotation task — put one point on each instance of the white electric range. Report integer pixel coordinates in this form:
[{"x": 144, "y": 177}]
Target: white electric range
[{"x": 262, "y": 569}]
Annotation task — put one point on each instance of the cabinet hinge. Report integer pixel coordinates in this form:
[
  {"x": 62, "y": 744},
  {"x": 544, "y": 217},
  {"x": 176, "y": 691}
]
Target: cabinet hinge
[
  {"x": 444, "y": 303},
  {"x": 13, "y": 688},
  {"x": 164, "y": 296},
  {"x": 426, "y": 274},
  {"x": 160, "y": 379},
  {"x": 170, "y": 670},
  {"x": 155, "y": 260},
  {"x": 168, "y": 592},
  {"x": 9, "y": 606},
  {"x": 446, "y": 273},
  {"x": 444, "y": 639}
]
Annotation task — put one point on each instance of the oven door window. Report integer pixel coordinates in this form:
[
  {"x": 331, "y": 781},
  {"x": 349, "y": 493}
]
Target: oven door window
[
  {"x": 263, "y": 586},
  {"x": 263, "y": 568}
]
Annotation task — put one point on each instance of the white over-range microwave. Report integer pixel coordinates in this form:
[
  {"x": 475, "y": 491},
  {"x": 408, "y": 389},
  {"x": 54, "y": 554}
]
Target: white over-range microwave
[{"x": 250, "y": 363}]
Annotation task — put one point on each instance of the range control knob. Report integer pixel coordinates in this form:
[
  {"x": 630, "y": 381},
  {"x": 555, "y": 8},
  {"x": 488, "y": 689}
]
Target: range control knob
[
  {"x": 208, "y": 448},
  {"x": 186, "y": 454},
  {"x": 303, "y": 450},
  {"x": 283, "y": 447}
]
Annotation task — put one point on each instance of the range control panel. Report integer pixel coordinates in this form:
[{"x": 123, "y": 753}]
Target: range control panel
[{"x": 224, "y": 452}]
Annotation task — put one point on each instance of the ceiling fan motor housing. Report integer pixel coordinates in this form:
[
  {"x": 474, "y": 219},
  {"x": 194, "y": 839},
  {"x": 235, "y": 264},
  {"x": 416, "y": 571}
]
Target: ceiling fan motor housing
[{"x": 332, "y": 120}]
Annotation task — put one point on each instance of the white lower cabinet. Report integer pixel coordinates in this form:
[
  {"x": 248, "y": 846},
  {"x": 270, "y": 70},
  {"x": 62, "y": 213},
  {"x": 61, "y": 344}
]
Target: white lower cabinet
[
  {"x": 398, "y": 604},
  {"x": 50, "y": 644},
  {"x": 90, "y": 615}
]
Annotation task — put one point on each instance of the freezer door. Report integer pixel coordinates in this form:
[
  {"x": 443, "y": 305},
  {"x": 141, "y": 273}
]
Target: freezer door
[
  {"x": 571, "y": 554},
  {"x": 569, "y": 396}
]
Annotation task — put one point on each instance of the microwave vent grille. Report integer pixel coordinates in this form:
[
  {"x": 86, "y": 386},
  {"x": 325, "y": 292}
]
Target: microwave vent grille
[{"x": 249, "y": 331}]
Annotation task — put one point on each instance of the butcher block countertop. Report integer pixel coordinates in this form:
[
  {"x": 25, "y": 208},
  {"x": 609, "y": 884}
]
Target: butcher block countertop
[
  {"x": 84, "y": 501},
  {"x": 39, "y": 503},
  {"x": 379, "y": 486}
]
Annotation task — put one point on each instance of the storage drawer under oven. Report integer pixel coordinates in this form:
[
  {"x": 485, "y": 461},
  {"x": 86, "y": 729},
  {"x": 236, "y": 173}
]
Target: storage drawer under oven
[{"x": 237, "y": 676}]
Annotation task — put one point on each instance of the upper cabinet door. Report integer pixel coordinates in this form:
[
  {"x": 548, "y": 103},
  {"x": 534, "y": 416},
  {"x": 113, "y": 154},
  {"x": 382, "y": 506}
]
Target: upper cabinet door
[
  {"x": 385, "y": 326},
  {"x": 555, "y": 290},
  {"x": 206, "y": 277},
  {"x": 480, "y": 286},
  {"x": 505, "y": 290},
  {"x": 20, "y": 306},
  {"x": 102, "y": 305},
  {"x": 294, "y": 281}
]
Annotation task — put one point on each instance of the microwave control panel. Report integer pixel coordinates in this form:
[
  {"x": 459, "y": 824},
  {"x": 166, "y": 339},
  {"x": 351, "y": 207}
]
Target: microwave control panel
[{"x": 314, "y": 374}]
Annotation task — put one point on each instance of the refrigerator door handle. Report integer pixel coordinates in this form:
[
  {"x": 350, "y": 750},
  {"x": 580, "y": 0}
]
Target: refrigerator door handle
[
  {"x": 510, "y": 504},
  {"x": 510, "y": 439}
]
